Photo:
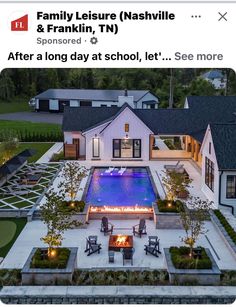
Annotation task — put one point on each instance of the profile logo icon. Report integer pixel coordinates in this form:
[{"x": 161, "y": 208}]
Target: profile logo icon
[{"x": 20, "y": 24}]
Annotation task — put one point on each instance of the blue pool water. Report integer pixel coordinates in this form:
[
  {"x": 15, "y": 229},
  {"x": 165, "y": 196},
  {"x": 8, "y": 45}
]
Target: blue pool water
[{"x": 132, "y": 188}]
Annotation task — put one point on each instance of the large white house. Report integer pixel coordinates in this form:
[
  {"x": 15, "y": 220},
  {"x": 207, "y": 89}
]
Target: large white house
[
  {"x": 205, "y": 129},
  {"x": 54, "y": 100}
]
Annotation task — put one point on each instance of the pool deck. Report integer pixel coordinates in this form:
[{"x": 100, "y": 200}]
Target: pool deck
[
  {"x": 156, "y": 169},
  {"x": 30, "y": 237}
]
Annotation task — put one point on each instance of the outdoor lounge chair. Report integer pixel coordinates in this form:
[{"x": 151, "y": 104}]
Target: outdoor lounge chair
[
  {"x": 106, "y": 227},
  {"x": 122, "y": 170},
  {"x": 140, "y": 229},
  {"x": 127, "y": 254},
  {"x": 92, "y": 248},
  {"x": 153, "y": 246},
  {"x": 109, "y": 170}
]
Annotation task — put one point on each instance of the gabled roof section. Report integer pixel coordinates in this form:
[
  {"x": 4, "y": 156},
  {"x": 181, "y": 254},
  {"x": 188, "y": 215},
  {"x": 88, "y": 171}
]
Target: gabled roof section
[
  {"x": 224, "y": 140},
  {"x": 84, "y": 118},
  {"x": 90, "y": 94},
  {"x": 213, "y": 74}
]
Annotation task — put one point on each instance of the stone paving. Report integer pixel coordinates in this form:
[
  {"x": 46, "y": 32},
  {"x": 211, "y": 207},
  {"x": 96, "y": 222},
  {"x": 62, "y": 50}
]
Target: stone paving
[{"x": 33, "y": 231}]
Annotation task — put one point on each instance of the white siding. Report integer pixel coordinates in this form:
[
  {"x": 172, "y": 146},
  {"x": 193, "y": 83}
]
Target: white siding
[
  {"x": 147, "y": 97},
  {"x": 211, "y": 195},
  {"x": 69, "y": 136},
  {"x": 224, "y": 200},
  {"x": 115, "y": 130},
  {"x": 53, "y": 105}
]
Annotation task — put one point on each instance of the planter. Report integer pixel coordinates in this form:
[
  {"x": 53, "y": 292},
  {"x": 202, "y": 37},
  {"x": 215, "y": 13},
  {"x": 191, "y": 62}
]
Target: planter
[
  {"x": 166, "y": 220},
  {"x": 199, "y": 276},
  {"x": 32, "y": 276}
]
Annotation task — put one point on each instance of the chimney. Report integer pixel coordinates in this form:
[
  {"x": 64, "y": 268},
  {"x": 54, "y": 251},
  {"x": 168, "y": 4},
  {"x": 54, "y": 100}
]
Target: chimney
[{"x": 126, "y": 92}]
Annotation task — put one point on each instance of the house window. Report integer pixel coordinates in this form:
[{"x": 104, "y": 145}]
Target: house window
[
  {"x": 116, "y": 148},
  {"x": 137, "y": 148},
  {"x": 231, "y": 187},
  {"x": 126, "y": 127},
  {"x": 210, "y": 148},
  {"x": 209, "y": 173},
  {"x": 96, "y": 147},
  {"x": 126, "y": 148}
]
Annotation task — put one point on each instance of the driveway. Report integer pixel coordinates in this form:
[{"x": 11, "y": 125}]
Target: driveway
[{"x": 34, "y": 117}]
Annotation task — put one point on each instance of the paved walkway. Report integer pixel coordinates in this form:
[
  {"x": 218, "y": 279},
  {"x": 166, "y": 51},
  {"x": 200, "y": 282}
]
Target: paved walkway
[
  {"x": 34, "y": 117},
  {"x": 169, "y": 291}
]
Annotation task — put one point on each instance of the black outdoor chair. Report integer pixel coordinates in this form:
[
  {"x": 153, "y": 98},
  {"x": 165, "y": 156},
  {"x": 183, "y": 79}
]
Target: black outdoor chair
[
  {"x": 127, "y": 254},
  {"x": 153, "y": 246},
  {"x": 140, "y": 229},
  {"x": 106, "y": 227},
  {"x": 92, "y": 248}
]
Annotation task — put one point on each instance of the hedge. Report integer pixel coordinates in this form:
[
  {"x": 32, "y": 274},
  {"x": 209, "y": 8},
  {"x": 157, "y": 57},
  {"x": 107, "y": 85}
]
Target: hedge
[
  {"x": 58, "y": 262},
  {"x": 229, "y": 229}
]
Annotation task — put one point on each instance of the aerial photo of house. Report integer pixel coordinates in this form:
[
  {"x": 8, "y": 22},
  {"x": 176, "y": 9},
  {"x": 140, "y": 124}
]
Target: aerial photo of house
[{"x": 117, "y": 196}]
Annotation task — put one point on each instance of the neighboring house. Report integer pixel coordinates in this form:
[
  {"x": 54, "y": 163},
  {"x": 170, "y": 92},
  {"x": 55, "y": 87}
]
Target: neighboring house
[
  {"x": 125, "y": 133},
  {"x": 54, "y": 100},
  {"x": 216, "y": 78}
]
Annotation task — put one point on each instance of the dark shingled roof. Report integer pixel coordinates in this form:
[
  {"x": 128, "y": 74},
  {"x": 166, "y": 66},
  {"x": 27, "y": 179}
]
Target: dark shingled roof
[
  {"x": 224, "y": 140},
  {"x": 88, "y": 94},
  {"x": 193, "y": 121}
]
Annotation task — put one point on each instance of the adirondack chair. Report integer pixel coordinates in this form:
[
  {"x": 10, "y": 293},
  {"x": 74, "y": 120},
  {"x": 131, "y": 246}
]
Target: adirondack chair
[
  {"x": 106, "y": 227},
  {"x": 153, "y": 246},
  {"x": 92, "y": 248},
  {"x": 140, "y": 229}
]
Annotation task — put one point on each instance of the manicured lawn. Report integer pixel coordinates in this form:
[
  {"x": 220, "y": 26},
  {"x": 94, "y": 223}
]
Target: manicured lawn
[
  {"x": 18, "y": 105},
  {"x": 19, "y": 224},
  {"x": 40, "y": 148},
  {"x": 24, "y": 126}
]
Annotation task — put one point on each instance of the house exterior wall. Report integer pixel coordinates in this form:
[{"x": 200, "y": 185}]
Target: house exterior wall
[
  {"x": 147, "y": 97},
  {"x": 115, "y": 130},
  {"x": 68, "y": 139},
  {"x": 224, "y": 200},
  {"x": 211, "y": 195}
]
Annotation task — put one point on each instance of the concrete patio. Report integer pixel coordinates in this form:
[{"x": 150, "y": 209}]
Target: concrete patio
[{"x": 30, "y": 237}]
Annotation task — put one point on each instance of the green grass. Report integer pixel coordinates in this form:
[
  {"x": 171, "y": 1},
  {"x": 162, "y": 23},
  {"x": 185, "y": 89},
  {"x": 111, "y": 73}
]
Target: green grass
[
  {"x": 23, "y": 126},
  {"x": 20, "y": 224},
  {"x": 18, "y": 105},
  {"x": 40, "y": 148},
  {"x": 7, "y": 231}
]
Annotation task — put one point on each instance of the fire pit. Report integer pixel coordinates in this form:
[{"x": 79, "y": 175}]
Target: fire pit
[{"x": 116, "y": 242}]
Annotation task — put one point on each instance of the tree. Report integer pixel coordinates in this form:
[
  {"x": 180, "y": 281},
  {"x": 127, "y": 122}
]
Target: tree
[
  {"x": 175, "y": 183},
  {"x": 8, "y": 146},
  {"x": 58, "y": 219},
  {"x": 7, "y": 87},
  {"x": 72, "y": 175},
  {"x": 193, "y": 218}
]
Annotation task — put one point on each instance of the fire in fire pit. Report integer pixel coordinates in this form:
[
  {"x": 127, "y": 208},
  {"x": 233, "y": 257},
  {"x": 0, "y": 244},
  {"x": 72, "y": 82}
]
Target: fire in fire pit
[{"x": 116, "y": 242}]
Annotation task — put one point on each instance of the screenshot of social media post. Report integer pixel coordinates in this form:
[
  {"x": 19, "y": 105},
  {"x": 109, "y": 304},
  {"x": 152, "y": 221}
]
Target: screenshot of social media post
[{"x": 117, "y": 153}]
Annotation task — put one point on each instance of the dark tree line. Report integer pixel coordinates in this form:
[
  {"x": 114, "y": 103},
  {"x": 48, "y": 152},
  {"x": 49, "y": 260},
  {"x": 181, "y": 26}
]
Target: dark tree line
[{"x": 27, "y": 83}]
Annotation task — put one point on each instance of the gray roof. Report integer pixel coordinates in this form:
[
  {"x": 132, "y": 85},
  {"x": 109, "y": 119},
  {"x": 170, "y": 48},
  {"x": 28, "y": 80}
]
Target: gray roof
[
  {"x": 90, "y": 94},
  {"x": 224, "y": 140}
]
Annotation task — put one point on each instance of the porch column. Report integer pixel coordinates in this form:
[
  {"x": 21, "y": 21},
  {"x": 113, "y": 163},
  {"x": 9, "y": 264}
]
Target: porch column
[
  {"x": 192, "y": 147},
  {"x": 151, "y": 140},
  {"x": 197, "y": 149}
]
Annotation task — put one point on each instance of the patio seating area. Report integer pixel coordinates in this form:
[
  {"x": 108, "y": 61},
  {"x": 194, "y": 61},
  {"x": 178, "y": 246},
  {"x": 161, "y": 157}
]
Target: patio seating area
[
  {"x": 30, "y": 237},
  {"x": 23, "y": 189}
]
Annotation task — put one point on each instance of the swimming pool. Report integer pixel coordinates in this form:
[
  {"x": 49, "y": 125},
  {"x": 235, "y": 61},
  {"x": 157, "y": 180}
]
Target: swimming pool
[{"x": 121, "y": 188}]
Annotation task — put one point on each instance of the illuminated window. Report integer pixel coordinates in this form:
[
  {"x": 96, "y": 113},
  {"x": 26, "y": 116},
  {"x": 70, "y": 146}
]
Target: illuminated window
[
  {"x": 209, "y": 173},
  {"x": 231, "y": 187}
]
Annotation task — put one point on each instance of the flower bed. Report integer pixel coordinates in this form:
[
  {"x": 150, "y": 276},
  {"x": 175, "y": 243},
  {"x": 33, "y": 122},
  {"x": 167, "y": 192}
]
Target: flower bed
[
  {"x": 181, "y": 260},
  {"x": 59, "y": 261},
  {"x": 169, "y": 206},
  {"x": 228, "y": 228},
  {"x": 76, "y": 206}
]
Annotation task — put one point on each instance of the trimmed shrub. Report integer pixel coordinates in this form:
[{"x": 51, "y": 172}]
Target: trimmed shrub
[
  {"x": 44, "y": 262},
  {"x": 181, "y": 260},
  {"x": 164, "y": 205},
  {"x": 229, "y": 229}
]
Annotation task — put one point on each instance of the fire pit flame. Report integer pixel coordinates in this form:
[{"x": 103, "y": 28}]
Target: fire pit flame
[{"x": 121, "y": 240}]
